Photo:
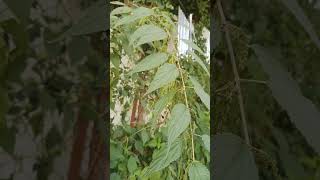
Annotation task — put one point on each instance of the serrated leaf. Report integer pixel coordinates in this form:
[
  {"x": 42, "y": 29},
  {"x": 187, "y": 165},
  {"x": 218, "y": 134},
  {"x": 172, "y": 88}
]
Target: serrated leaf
[
  {"x": 198, "y": 171},
  {"x": 147, "y": 34},
  {"x": 166, "y": 74},
  {"x": 232, "y": 159},
  {"x": 206, "y": 141},
  {"x": 161, "y": 104},
  {"x": 120, "y": 10},
  {"x": 193, "y": 45},
  {"x": 132, "y": 164},
  {"x": 161, "y": 159},
  {"x": 178, "y": 122},
  {"x": 138, "y": 13},
  {"x": 297, "y": 11},
  {"x": 205, "y": 98},
  {"x": 287, "y": 92},
  {"x": 199, "y": 61},
  {"x": 150, "y": 62}
]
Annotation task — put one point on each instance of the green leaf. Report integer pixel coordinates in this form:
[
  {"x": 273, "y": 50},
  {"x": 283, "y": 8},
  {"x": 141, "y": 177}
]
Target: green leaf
[
  {"x": 115, "y": 176},
  {"x": 232, "y": 159},
  {"x": 206, "y": 141},
  {"x": 193, "y": 45},
  {"x": 138, "y": 13},
  {"x": 132, "y": 164},
  {"x": 121, "y": 10},
  {"x": 166, "y": 74},
  {"x": 178, "y": 122},
  {"x": 144, "y": 137},
  {"x": 161, "y": 159},
  {"x": 161, "y": 104},
  {"x": 147, "y": 34},
  {"x": 205, "y": 98},
  {"x": 20, "y": 8},
  {"x": 150, "y": 62},
  {"x": 198, "y": 171},
  {"x": 117, "y": 3},
  {"x": 199, "y": 61},
  {"x": 287, "y": 92},
  {"x": 297, "y": 11}
]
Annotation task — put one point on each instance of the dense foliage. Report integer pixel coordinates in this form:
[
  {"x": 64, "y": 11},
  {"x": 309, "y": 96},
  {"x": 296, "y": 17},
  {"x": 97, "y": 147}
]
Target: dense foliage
[{"x": 168, "y": 137}]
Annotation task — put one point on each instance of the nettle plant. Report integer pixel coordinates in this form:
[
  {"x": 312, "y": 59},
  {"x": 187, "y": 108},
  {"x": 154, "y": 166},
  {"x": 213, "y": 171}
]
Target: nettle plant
[{"x": 159, "y": 104}]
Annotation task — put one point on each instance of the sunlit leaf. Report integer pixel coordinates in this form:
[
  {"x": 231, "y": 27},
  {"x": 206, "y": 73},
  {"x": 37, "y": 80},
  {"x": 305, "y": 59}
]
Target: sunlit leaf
[
  {"x": 303, "y": 113},
  {"x": 205, "y": 98},
  {"x": 198, "y": 171},
  {"x": 199, "y": 61},
  {"x": 206, "y": 141},
  {"x": 193, "y": 45},
  {"x": 166, "y": 74},
  {"x": 150, "y": 62},
  {"x": 120, "y": 10},
  {"x": 297, "y": 11},
  {"x": 136, "y": 14},
  {"x": 117, "y": 3},
  {"x": 147, "y": 34},
  {"x": 232, "y": 159}
]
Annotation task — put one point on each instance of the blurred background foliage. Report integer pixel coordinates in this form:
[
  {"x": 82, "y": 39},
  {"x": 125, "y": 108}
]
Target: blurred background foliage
[{"x": 273, "y": 125}]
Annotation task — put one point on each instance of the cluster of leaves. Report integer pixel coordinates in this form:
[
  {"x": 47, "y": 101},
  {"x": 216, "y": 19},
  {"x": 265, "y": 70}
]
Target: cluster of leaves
[
  {"x": 146, "y": 65},
  {"x": 279, "y": 82}
]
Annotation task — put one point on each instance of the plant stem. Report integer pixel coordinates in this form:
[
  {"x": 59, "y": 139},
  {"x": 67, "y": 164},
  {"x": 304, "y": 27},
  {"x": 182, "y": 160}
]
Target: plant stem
[
  {"x": 236, "y": 74},
  {"x": 186, "y": 99},
  {"x": 253, "y": 81}
]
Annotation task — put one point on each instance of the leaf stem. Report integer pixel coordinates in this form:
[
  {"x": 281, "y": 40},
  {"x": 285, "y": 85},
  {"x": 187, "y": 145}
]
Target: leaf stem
[
  {"x": 186, "y": 100},
  {"x": 235, "y": 72}
]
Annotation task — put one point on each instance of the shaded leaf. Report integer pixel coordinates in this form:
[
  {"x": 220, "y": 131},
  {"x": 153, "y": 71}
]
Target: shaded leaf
[
  {"x": 136, "y": 14},
  {"x": 297, "y": 11},
  {"x": 193, "y": 45},
  {"x": 292, "y": 167},
  {"x": 199, "y": 61},
  {"x": 166, "y": 74},
  {"x": 198, "y": 171},
  {"x": 161, "y": 159},
  {"x": 232, "y": 159},
  {"x": 20, "y": 8},
  {"x": 161, "y": 104},
  {"x": 205, "y": 98},
  {"x": 115, "y": 176},
  {"x": 147, "y": 34},
  {"x": 150, "y": 62},
  {"x": 206, "y": 141},
  {"x": 287, "y": 93}
]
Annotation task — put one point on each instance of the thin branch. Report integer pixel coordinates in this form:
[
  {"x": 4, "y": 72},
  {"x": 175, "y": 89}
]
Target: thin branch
[
  {"x": 186, "y": 99},
  {"x": 253, "y": 81},
  {"x": 236, "y": 74}
]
